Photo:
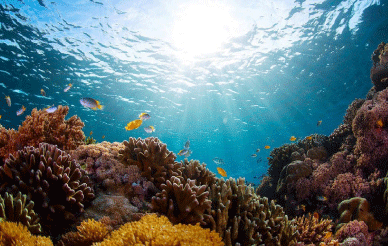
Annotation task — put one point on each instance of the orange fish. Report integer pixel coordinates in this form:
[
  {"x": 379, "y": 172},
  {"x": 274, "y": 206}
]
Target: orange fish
[
  {"x": 267, "y": 147},
  {"x": 309, "y": 137},
  {"x": 222, "y": 172},
  {"x": 133, "y": 124},
  {"x": 91, "y": 133},
  {"x": 292, "y": 138},
  {"x": 316, "y": 215},
  {"x": 380, "y": 123}
]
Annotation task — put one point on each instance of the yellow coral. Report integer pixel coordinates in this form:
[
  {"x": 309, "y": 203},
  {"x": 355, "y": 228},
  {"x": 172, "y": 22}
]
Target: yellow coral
[
  {"x": 92, "y": 231},
  {"x": 158, "y": 231},
  {"x": 14, "y": 234}
]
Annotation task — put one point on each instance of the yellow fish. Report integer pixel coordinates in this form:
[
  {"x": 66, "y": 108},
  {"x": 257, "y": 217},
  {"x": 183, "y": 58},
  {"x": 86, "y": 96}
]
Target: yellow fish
[
  {"x": 103, "y": 136},
  {"x": 222, "y": 172},
  {"x": 8, "y": 100},
  {"x": 91, "y": 133},
  {"x": 133, "y": 125},
  {"x": 292, "y": 138},
  {"x": 267, "y": 147},
  {"x": 380, "y": 123},
  {"x": 42, "y": 92},
  {"x": 144, "y": 116},
  {"x": 0, "y": 116},
  {"x": 309, "y": 137},
  {"x": 319, "y": 122}
]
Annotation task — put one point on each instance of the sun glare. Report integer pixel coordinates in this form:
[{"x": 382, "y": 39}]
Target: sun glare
[{"x": 201, "y": 29}]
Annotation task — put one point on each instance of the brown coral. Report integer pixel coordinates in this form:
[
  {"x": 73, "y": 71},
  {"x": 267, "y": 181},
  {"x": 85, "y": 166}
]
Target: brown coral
[
  {"x": 40, "y": 127},
  {"x": 241, "y": 217},
  {"x": 12, "y": 233},
  {"x": 158, "y": 231},
  {"x": 154, "y": 160},
  {"x": 379, "y": 71},
  {"x": 15, "y": 209},
  {"x": 57, "y": 185},
  {"x": 313, "y": 230},
  {"x": 182, "y": 203},
  {"x": 195, "y": 171}
]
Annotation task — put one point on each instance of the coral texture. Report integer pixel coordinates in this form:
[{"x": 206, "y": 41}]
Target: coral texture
[
  {"x": 158, "y": 231},
  {"x": 155, "y": 161},
  {"x": 182, "y": 203},
  {"x": 241, "y": 217},
  {"x": 89, "y": 232},
  {"x": 57, "y": 185},
  {"x": 313, "y": 230},
  {"x": 12, "y": 233},
  {"x": 40, "y": 127},
  {"x": 379, "y": 71},
  {"x": 15, "y": 209},
  {"x": 354, "y": 229},
  {"x": 195, "y": 171}
]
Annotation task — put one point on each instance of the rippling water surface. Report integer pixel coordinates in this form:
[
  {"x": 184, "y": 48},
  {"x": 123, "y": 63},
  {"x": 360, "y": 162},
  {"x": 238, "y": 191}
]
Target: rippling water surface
[{"x": 230, "y": 76}]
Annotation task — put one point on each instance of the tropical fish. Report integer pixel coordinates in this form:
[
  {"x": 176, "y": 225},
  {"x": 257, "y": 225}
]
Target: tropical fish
[
  {"x": 0, "y": 116},
  {"x": 103, "y": 136},
  {"x": 90, "y": 103},
  {"x": 380, "y": 123},
  {"x": 267, "y": 147},
  {"x": 133, "y": 124},
  {"x": 21, "y": 111},
  {"x": 67, "y": 87},
  {"x": 183, "y": 152},
  {"x": 253, "y": 155},
  {"x": 149, "y": 129},
  {"x": 144, "y": 116},
  {"x": 301, "y": 207},
  {"x": 187, "y": 144},
  {"x": 292, "y": 138},
  {"x": 322, "y": 198},
  {"x": 218, "y": 161},
  {"x": 309, "y": 137},
  {"x": 258, "y": 150},
  {"x": 221, "y": 171},
  {"x": 319, "y": 122},
  {"x": 42, "y": 92},
  {"x": 51, "y": 109},
  {"x": 188, "y": 153},
  {"x": 8, "y": 100},
  {"x": 316, "y": 215},
  {"x": 91, "y": 133}
]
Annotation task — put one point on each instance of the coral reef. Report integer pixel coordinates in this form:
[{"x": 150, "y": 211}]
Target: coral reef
[
  {"x": 89, "y": 232},
  {"x": 58, "y": 186},
  {"x": 12, "y": 233},
  {"x": 158, "y": 231},
  {"x": 241, "y": 217},
  {"x": 155, "y": 161},
  {"x": 379, "y": 71},
  {"x": 355, "y": 231},
  {"x": 357, "y": 208},
  {"x": 195, "y": 171},
  {"x": 40, "y": 127},
  {"x": 291, "y": 173},
  {"x": 312, "y": 229},
  {"x": 15, "y": 209},
  {"x": 182, "y": 203}
]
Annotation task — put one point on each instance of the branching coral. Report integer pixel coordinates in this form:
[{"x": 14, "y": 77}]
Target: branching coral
[
  {"x": 357, "y": 208},
  {"x": 241, "y": 217},
  {"x": 182, "y": 203},
  {"x": 89, "y": 232},
  {"x": 15, "y": 209},
  {"x": 154, "y": 160},
  {"x": 158, "y": 231},
  {"x": 12, "y": 233},
  {"x": 57, "y": 185},
  {"x": 313, "y": 230},
  {"x": 42, "y": 126},
  {"x": 195, "y": 171}
]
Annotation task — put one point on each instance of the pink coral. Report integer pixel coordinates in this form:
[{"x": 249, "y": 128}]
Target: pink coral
[{"x": 356, "y": 229}]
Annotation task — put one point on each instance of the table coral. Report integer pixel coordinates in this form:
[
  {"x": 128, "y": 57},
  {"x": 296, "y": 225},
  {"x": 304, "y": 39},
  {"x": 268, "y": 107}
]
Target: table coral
[
  {"x": 241, "y": 217},
  {"x": 12, "y": 233},
  {"x": 40, "y": 127},
  {"x": 16, "y": 209},
  {"x": 154, "y": 160},
  {"x": 182, "y": 203},
  {"x": 158, "y": 231},
  {"x": 57, "y": 185}
]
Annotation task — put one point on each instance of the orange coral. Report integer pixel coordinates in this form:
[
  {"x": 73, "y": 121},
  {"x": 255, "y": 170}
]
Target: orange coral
[
  {"x": 158, "y": 231},
  {"x": 12, "y": 233},
  {"x": 40, "y": 127},
  {"x": 312, "y": 229}
]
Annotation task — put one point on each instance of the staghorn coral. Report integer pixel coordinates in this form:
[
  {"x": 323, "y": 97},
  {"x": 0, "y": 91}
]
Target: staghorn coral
[
  {"x": 40, "y": 127},
  {"x": 89, "y": 232},
  {"x": 12, "y": 233},
  {"x": 58, "y": 186},
  {"x": 313, "y": 230},
  {"x": 15, "y": 209},
  {"x": 195, "y": 171},
  {"x": 379, "y": 71},
  {"x": 372, "y": 137},
  {"x": 243, "y": 218},
  {"x": 158, "y": 231},
  {"x": 154, "y": 160},
  {"x": 182, "y": 203},
  {"x": 357, "y": 208}
]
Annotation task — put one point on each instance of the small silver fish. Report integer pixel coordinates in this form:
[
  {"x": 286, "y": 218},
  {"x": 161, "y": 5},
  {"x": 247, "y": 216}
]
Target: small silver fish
[
  {"x": 21, "y": 111},
  {"x": 149, "y": 129},
  {"x": 90, "y": 103},
  {"x": 67, "y": 87},
  {"x": 51, "y": 109},
  {"x": 218, "y": 161}
]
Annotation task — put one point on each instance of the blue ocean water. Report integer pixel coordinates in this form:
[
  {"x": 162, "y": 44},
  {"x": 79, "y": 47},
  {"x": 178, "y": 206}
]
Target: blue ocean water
[{"x": 231, "y": 77}]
